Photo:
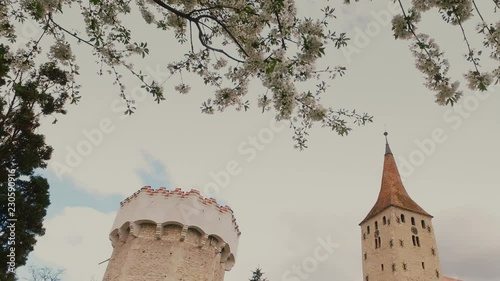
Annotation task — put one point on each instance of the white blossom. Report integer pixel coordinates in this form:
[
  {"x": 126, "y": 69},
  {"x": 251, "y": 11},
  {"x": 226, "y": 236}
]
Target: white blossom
[
  {"x": 400, "y": 27},
  {"x": 183, "y": 88},
  {"x": 478, "y": 81},
  {"x": 61, "y": 51}
]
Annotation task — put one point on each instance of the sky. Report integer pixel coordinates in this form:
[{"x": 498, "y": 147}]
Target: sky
[{"x": 286, "y": 201}]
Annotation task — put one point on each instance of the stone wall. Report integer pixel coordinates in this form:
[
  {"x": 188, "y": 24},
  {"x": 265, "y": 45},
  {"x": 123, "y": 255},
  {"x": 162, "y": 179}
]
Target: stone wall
[
  {"x": 170, "y": 253},
  {"x": 400, "y": 260}
]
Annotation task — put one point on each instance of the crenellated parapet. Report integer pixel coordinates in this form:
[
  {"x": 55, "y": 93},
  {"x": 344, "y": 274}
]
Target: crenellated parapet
[
  {"x": 162, "y": 191},
  {"x": 150, "y": 213}
]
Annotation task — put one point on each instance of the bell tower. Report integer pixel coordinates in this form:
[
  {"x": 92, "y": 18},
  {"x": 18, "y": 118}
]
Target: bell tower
[{"x": 398, "y": 242}]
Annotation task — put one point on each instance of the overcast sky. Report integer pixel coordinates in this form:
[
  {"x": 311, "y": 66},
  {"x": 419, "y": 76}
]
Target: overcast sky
[{"x": 285, "y": 200}]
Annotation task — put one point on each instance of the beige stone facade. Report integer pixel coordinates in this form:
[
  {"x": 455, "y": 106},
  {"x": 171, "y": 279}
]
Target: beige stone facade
[
  {"x": 161, "y": 235},
  {"x": 404, "y": 251}
]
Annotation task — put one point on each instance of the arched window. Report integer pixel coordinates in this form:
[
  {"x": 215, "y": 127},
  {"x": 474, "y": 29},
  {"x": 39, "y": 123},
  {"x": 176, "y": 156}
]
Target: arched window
[
  {"x": 412, "y": 221},
  {"x": 418, "y": 241},
  {"x": 423, "y": 224},
  {"x": 414, "y": 240},
  {"x": 382, "y": 267},
  {"x": 402, "y": 218},
  {"x": 376, "y": 225},
  {"x": 376, "y": 243},
  {"x": 379, "y": 242},
  {"x": 368, "y": 229},
  {"x": 384, "y": 220}
]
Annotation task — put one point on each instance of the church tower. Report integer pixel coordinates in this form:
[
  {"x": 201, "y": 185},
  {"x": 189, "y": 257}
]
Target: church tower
[
  {"x": 398, "y": 242},
  {"x": 162, "y": 235}
]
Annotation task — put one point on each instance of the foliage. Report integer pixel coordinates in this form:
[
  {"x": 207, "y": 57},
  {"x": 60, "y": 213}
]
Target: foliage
[
  {"x": 227, "y": 43},
  {"x": 232, "y": 42},
  {"x": 257, "y": 275},
  {"x": 430, "y": 59},
  {"x": 22, "y": 150}
]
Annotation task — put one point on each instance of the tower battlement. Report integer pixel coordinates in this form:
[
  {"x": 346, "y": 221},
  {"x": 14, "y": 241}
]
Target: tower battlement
[
  {"x": 188, "y": 209},
  {"x": 178, "y": 192},
  {"x": 171, "y": 235}
]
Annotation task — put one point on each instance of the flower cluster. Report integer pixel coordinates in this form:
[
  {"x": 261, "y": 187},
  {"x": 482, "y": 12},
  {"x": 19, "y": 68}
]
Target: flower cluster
[
  {"x": 228, "y": 44},
  {"x": 61, "y": 51},
  {"x": 430, "y": 60}
]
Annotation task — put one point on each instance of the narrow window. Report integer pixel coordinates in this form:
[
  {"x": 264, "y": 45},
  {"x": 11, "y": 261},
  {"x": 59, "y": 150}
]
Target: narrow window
[
  {"x": 368, "y": 229},
  {"x": 418, "y": 241},
  {"x": 391, "y": 243},
  {"x": 376, "y": 225},
  {"x": 393, "y": 267},
  {"x": 433, "y": 251},
  {"x": 384, "y": 220},
  {"x": 437, "y": 273},
  {"x": 412, "y": 221},
  {"x": 388, "y": 221},
  {"x": 423, "y": 224},
  {"x": 423, "y": 265},
  {"x": 376, "y": 243},
  {"x": 382, "y": 266},
  {"x": 404, "y": 266},
  {"x": 379, "y": 242},
  {"x": 366, "y": 256},
  {"x": 364, "y": 236},
  {"x": 402, "y": 218},
  {"x": 401, "y": 242},
  {"x": 366, "y": 278},
  {"x": 414, "y": 240}
]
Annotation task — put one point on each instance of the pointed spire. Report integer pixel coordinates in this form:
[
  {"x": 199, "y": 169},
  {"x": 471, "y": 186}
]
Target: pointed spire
[
  {"x": 392, "y": 191},
  {"x": 387, "y": 147}
]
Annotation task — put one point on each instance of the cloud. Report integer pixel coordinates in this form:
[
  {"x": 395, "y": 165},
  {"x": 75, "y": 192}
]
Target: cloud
[
  {"x": 77, "y": 240},
  {"x": 154, "y": 173},
  {"x": 66, "y": 193}
]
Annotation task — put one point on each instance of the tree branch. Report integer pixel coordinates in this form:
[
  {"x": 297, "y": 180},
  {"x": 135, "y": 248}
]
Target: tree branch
[
  {"x": 471, "y": 52},
  {"x": 196, "y": 20},
  {"x": 485, "y": 24},
  {"x": 202, "y": 41}
]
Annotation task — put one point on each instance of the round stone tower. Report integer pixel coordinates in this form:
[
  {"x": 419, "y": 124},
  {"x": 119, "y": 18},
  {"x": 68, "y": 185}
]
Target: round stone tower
[{"x": 172, "y": 236}]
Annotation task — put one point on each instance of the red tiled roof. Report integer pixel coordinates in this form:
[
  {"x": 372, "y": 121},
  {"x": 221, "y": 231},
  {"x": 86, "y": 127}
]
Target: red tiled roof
[
  {"x": 450, "y": 279},
  {"x": 392, "y": 191}
]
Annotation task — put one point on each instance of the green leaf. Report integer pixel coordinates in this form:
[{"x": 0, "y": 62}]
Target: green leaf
[{"x": 271, "y": 66}]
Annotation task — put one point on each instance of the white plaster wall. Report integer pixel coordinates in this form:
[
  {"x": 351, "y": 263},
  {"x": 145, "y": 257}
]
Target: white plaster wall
[{"x": 181, "y": 208}]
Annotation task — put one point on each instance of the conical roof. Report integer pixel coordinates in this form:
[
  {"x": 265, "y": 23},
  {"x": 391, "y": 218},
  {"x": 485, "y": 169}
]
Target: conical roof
[{"x": 392, "y": 191}]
